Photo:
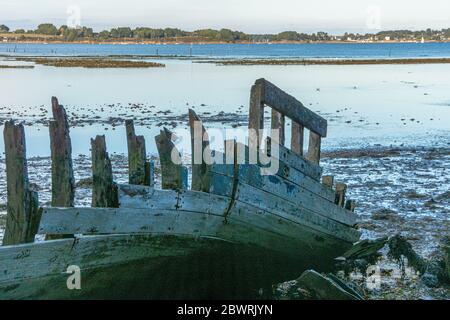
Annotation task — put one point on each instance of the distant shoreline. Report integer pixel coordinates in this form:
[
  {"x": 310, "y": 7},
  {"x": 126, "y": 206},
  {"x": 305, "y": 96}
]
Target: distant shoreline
[{"x": 127, "y": 42}]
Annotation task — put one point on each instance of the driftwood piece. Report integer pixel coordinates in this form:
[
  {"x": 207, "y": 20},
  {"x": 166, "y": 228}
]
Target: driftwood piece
[
  {"x": 136, "y": 155},
  {"x": 291, "y": 107},
  {"x": 23, "y": 212},
  {"x": 174, "y": 175},
  {"x": 104, "y": 190},
  {"x": 341, "y": 189},
  {"x": 297, "y": 136},
  {"x": 63, "y": 181},
  {"x": 278, "y": 123},
  {"x": 314, "y": 148},
  {"x": 201, "y": 154}
]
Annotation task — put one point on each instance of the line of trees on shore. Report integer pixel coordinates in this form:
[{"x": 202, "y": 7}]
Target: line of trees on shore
[{"x": 224, "y": 35}]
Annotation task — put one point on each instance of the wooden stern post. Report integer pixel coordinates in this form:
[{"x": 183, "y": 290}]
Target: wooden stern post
[
  {"x": 297, "y": 137},
  {"x": 63, "y": 181},
  {"x": 201, "y": 154},
  {"x": 278, "y": 123},
  {"x": 149, "y": 173},
  {"x": 23, "y": 212},
  {"x": 174, "y": 175},
  {"x": 137, "y": 155},
  {"x": 341, "y": 190},
  {"x": 104, "y": 189},
  {"x": 328, "y": 181},
  {"x": 256, "y": 120},
  {"x": 314, "y": 147}
]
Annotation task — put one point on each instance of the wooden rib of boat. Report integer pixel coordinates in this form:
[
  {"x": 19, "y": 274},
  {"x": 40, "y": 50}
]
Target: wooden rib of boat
[{"x": 237, "y": 230}]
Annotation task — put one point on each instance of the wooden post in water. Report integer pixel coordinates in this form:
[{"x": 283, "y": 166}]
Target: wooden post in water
[
  {"x": 314, "y": 147},
  {"x": 174, "y": 175},
  {"x": 23, "y": 212},
  {"x": 136, "y": 155},
  {"x": 341, "y": 189},
  {"x": 297, "y": 133},
  {"x": 200, "y": 154},
  {"x": 278, "y": 123},
  {"x": 104, "y": 190}
]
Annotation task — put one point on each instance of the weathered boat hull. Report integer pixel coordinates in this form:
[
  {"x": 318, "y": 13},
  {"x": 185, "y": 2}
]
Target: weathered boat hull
[
  {"x": 171, "y": 244},
  {"x": 149, "y": 267},
  {"x": 239, "y": 229}
]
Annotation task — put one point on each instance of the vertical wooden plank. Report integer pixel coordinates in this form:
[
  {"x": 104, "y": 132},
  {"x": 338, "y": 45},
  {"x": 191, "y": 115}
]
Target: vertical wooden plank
[
  {"x": 297, "y": 137},
  {"x": 150, "y": 173},
  {"x": 63, "y": 181},
  {"x": 173, "y": 174},
  {"x": 341, "y": 189},
  {"x": 314, "y": 147},
  {"x": 278, "y": 123},
  {"x": 136, "y": 155},
  {"x": 328, "y": 181},
  {"x": 256, "y": 120},
  {"x": 104, "y": 190},
  {"x": 200, "y": 154},
  {"x": 23, "y": 213}
]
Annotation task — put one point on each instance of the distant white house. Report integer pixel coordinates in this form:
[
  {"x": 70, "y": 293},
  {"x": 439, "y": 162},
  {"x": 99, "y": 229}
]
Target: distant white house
[
  {"x": 5, "y": 39},
  {"x": 387, "y": 38}
]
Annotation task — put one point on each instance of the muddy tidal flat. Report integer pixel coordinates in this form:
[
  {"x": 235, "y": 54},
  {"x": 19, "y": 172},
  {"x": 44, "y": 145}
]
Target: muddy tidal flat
[
  {"x": 337, "y": 62},
  {"x": 91, "y": 63}
]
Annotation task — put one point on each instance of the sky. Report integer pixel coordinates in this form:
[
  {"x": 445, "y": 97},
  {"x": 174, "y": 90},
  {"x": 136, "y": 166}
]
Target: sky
[{"x": 250, "y": 16}]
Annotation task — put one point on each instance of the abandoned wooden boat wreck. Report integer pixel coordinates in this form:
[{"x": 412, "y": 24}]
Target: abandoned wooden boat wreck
[{"x": 234, "y": 232}]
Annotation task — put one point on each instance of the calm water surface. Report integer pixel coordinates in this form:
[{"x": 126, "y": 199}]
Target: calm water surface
[
  {"x": 365, "y": 105},
  {"x": 319, "y": 50}
]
